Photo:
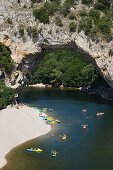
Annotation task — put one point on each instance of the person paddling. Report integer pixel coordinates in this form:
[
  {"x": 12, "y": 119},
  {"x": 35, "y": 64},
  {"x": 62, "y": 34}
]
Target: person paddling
[{"x": 84, "y": 110}]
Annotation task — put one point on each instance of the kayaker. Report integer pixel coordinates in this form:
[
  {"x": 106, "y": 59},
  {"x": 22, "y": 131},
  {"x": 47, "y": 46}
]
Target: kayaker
[
  {"x": 84, "y": 110},
  {"x": 53, "y": 152},
  {"x": 99, "y": 114},
  {"x": 84, "y": 127},
  {"x": 64, "y": 137}
]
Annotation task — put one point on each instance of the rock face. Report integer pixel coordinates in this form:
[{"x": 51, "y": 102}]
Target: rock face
[{"x": 27, "y": 52}]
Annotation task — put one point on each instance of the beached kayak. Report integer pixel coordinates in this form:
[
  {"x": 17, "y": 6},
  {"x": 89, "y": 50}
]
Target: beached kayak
[
  {"x": 32, "y": 150},
  {"x": 58, "y": 121}
]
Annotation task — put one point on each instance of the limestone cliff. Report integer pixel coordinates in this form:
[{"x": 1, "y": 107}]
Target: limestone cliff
[{"x": 27, "y": 52}]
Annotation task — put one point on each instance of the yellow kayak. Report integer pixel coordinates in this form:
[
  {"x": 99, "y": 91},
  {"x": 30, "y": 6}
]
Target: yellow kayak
[
  {"x": 32, "y": 150},
  {"x": 64, "y": 137}
]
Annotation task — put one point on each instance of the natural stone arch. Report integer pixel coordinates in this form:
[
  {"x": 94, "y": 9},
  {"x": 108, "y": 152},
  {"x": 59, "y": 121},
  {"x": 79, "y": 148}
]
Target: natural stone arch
[{"x": 27, "y": 56}]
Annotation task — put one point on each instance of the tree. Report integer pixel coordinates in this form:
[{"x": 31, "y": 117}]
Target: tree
[
  {"x": 89, "y": 74},
  {"x": 65, "y": 9},
  {"x": 7, "y": 96},
  {"x": 64, "y": 67},
  {"x": 72, "y": 27},
  {"x": 6, "y": 62},
  {"x": 41, "y": 15},
  {"x": 87, "y": 2},
  {"x": 21, "y": 31}
]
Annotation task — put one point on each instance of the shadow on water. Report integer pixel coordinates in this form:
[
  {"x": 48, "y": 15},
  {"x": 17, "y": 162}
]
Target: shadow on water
[{"x": 91, "y": 149}]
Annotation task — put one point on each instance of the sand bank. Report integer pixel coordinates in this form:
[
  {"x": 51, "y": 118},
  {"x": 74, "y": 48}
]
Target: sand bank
[
  {"x": 18, "y": 126},
  {"x": 40, "y": 85},
  {"x": 37, "y": 85}
]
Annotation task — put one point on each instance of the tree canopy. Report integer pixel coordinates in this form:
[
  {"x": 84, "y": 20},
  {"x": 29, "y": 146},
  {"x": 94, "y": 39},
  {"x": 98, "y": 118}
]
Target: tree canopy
[
  {"x": 6, "y": 62},
  {"x": 7, "y": 96},
  {"x": 64, "y": 67}
]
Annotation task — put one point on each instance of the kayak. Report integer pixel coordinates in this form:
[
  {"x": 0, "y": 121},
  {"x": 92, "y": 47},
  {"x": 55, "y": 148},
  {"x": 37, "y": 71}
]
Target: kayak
[
  {"x": 99, "y": 114},
  {"x": 54, "y": 155},
  {"x": 38, "y": 150},
  {"x": 58, "y": 121},
  {"x": 64, "y": 137}
]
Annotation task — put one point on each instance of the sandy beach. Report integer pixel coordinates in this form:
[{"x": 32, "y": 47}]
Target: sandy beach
[
  {"x": 40, "y": 85},
  {"x": 18, "y": 126},
  {"x": 37, "y": 85}
]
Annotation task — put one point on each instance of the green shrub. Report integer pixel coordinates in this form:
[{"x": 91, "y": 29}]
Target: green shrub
[
  {"x": 111, "y": 52},
  {"x": 41, "y": 15},
  {"x": 93, "y": 33},
  {"x": 111, "y": 14},
  {"x": 56, "y": 1},
  {"x": 21, "y": 31},
  {"x": 6, "y": 62},
  {"x": 50, "y": 7},
  {"x": 72, "y": 16},
  {"x": 95, "y": 14},
  {"x": 86, "y": 25},
  {"x": 9, "y": 20},
  {"x": 104, "y": 26},
  {"x": 89, "y": 74},
  {"x": 103, "y": 5},
  {"x": 72, "y": 27},
  {"x": 38, "y": 1},
  {"x": 32, "y": 5},
  {"x": 71, "y": 2},
  {"x": 99, "y": 6},
  {"x": 32, "y": 32},
  {"x": 58, "y": 22},
  {"x": 24, "y": 6},
  {"x": 15, "y": 33},
  {"x": 18, "y": 1},
  {"x": 65, "y": 9},
  {"x": 7, "y": 96},
  {"x": 87, "y": 2},
  {"x": 83, "y": 13},
  {"x": 34, "y": 1}
]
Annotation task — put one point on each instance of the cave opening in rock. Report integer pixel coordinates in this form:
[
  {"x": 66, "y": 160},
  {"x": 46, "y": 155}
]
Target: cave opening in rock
[{"x": 67, "y": 68}]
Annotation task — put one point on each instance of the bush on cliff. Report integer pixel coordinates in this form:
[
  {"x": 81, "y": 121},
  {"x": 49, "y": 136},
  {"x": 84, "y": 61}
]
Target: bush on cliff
[
  {"x": 41, "y": 15},
  {"x": 7, "y": 96},
  {"x": 72, "y": 27},
  {"x": 103, "y": 5},
  {"x": 6, "y": 62},
  {"x": 87, "y": 2},
  {"x": 32, "y": 32}
]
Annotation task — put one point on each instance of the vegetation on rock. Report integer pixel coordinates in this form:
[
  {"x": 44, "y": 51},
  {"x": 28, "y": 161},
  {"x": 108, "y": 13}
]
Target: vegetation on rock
[
  {"x": 21, "y": 31},
  {"x": 32, "y": 32},
  {"x": 7, "y": 96},
  {"x": 72, "y": 16},
  {"x": 41, "y": 15},
  {"x": 6, "y": 62},
  {"x": 58, "y": 21},
  {"x": 72, "y": 27},
  {"x": 95, "y": 23}
]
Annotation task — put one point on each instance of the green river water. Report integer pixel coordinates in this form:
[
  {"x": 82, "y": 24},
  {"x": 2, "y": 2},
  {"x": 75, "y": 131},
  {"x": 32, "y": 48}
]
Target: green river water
[{"x": 90, "y": 149}]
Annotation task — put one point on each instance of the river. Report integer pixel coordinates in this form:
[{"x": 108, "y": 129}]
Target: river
[{"x": 90, "y": 149}]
